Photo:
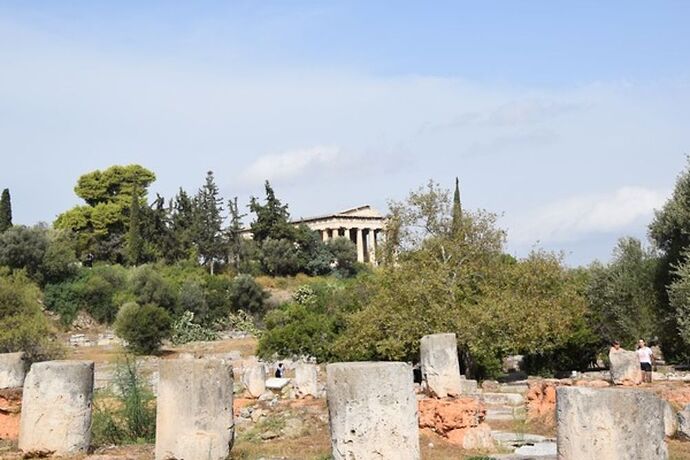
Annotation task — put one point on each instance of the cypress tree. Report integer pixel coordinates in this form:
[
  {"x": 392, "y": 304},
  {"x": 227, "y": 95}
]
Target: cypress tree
[
  {"x": 208, "y": 220},
  {"x": 456, "y": 225},
  {"x": 135, "y": 243},
  {"x": 5, "y": 211}
]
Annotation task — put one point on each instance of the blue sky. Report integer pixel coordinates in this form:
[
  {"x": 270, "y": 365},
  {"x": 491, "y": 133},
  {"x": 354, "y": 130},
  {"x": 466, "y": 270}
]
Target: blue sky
[{"x": 569, "y": 120}]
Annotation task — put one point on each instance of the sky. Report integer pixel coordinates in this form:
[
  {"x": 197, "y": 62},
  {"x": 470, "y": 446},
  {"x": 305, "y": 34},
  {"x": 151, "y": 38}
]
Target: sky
[{"x": 570, "y": 121}]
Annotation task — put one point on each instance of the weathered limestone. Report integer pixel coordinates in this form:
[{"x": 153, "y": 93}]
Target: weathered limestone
[
  {"x": 625, "y": 368},
  {"x": 439, "y": 364},
  {"x": 468, "y": 387},
  {"x": 11, "y": 370},
  {"x": 683, "y": 423},
  {"x": 670, "y": 420},
  {"x": 609, "y": 424},
  {"x": 194, "y": 419},
  {"x": 254, "y": 379},
  {"x": 373, "y": 411},
  {"x": 56, "y": 408},
  {"x": 307, "y": 380}
]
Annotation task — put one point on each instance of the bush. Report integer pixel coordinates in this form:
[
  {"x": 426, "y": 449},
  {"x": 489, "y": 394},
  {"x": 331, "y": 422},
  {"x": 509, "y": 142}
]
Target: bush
[
  {"x": 130, "y": 415},
  {"x": 23, "y": 327},
  {"x": 280, "y": 257},
  {"x": 192, "y": 298},
  {"x": 218, "y": 297},
  {"x": 185, "y": 330},
  {"x": 344, "y": 253},
  {"x": 247, "y": 295},
  {"x": 63, "y": 299},
  {"x": 99, "y": 289},
  {"x": 143, "y": 327},
  {"x": 23, "y": 248},
  {"x": 297, "y": 330},
  {"x": 149, "y": 287}
]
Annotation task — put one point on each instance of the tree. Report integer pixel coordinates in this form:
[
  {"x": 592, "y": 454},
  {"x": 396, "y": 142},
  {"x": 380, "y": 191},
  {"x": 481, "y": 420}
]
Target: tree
[
  {"x": 208, "y": 235},
  {"x": 24, "y": 247},
  {"x": 102, "y": 223},
  {"x": 179, "y": 244},
  {"x": 439, "y": 283},
  {"x": 5, "y": 210},
  {"x": 343, "y": 255},
  {"x": 621, "y": 295},
  {"x": 272, "y": 219},
  {"x": 456, "y": 223},
  {"x": 135, "y": 243},
  {"x": 280, "y": 257},
  {"x": 670, "y": 232},
  {"x": 235, "y": 234}
]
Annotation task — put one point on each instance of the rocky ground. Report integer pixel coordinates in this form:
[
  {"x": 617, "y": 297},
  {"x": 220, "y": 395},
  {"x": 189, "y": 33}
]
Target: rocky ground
[{"x": 504, "y": 420}]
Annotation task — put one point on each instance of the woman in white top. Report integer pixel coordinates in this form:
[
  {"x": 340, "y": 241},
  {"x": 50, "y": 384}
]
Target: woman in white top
[{"x": 645, "y": 355}]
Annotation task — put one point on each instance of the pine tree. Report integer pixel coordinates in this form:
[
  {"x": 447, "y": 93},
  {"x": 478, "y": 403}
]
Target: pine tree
[
  {"x": 182, "y": 221},
  {"x": 5, "y": 211},
  {"x": 235, "y": 233},
  {"x": 456, "y": 225},
  {"x": 135, "y": 242},
  {"x": 272, "y": 219},
  {"x": 208, "y": 220}
]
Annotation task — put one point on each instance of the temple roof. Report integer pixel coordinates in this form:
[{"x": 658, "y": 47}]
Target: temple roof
[{"x": 359, "y": 212}]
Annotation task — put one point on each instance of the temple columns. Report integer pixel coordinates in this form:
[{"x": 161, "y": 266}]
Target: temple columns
[{"x": 360, "y": 245}]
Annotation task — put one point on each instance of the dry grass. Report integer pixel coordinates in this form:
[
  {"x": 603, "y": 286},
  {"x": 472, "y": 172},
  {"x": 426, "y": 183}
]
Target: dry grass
[{"x": 678, "y": 450}]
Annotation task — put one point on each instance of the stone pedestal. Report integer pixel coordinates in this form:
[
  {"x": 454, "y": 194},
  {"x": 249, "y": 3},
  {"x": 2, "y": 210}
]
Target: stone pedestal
[
  {"x": 439, "y": 364},
  {"x": 373, "y": 411},
  {"x": 56, "y": 408},
  {"x": 625, "y": 368},
  {"x": 194, "y": 419},
  {"x": 254, "y": 379},
  {"x": 307, "y": 380},
  {"x": 12, "y": 370},
  {"x": 609, "y": 424}
]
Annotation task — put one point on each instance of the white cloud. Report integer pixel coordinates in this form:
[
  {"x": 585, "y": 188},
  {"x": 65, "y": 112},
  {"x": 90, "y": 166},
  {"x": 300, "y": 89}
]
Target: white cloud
[
  {"x": 289, "y": 164},
  {"x": 579, "y": 216}
]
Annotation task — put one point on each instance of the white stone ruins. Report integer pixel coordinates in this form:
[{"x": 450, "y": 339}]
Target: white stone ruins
[
  {"x": 609, "y": 424},
  {"x": 194, "y": 419},
  {"x": 11, "y": 370},
  {"x": 372, "y": 410},
  {"x": 56, "y": 408},
  {"x": 439, "y": 365}
]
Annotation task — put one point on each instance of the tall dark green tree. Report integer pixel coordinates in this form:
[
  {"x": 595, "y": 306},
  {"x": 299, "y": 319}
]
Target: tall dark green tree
[
  {"x": 135, "y": 242},
  {"x": 456, "y": 224},
  {"x": 235, "y": 233},
  {"x": 272, "y": 219},
  {"x": 179, "y": 243},
  {"x": 5, "y": 210},
  {"x": 208, "y": 220}
]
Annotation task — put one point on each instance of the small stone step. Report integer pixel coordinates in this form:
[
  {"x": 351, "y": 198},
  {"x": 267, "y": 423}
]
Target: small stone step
[
  {"x": 514, "y": 388},
  {"x": 504, "y": 413},
  {"x": 507, "y": 399}
]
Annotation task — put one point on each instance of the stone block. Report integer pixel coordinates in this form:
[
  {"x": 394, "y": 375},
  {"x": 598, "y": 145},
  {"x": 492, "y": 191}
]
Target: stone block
[
  {"x": 503, "y": 399},
  {"x": 276, "y": 383},
  {"x": 372, "y": 410},
  {"x": 56, "y": 408},
  {"x": 194, "y": 419},
  {"x": 609, "y": 424},
  {"x": 307, "y": 380},
  {"x": 254, "y": 379},
  {"x": 670, "y": 420},
  {"x": 439, "y": 364},
  {"x": 468, "y": 387},
  {"x": 625, "y": 368},
  {"x": 12, "y": 371}
]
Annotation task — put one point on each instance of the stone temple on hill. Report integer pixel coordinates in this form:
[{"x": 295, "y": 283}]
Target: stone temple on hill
[{"x": 363, "y": 225}]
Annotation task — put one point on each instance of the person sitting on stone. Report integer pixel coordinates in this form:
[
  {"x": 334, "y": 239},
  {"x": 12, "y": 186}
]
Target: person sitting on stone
[{"x": 645, "y": 355}]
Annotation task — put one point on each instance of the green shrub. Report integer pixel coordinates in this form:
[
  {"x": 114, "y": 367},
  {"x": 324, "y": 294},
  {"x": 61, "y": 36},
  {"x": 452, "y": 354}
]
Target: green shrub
[
  {"x": 192, "y": 298},
  {"x": 344, "y": 254},
  {"x": 63, "y": 299},
  {"x": 297, "y": 330},
  {"x": 99, "y": 290},
  {"x": 128, "y": 415},
  {"x": 247, "y": 295},
  {"x": 149, "y": 287},
  {"x": 23, "y": 327},
  {"x": 240, "y": 321},
  {"x": 143, "y": 327},
  {"x": 219, "y": 293},
  {"x": 280, "y": 257},
  {"x": 185, "y": 330}
]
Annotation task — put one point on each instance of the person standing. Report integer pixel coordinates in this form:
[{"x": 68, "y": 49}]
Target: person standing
[{"x": 645, "y": 355}]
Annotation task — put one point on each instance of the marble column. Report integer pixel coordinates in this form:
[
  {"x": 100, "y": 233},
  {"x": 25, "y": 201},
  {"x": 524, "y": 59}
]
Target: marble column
[
  {"x": 324, "y": 235},
  {"x": 372, "y": 246},
  {"x": 360, "y": 245},
  {"x": 334, "y": 232}
]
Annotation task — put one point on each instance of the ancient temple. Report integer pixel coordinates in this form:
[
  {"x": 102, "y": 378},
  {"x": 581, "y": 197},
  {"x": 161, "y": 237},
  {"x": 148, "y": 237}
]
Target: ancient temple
[{"x": 362, "y": 225}]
